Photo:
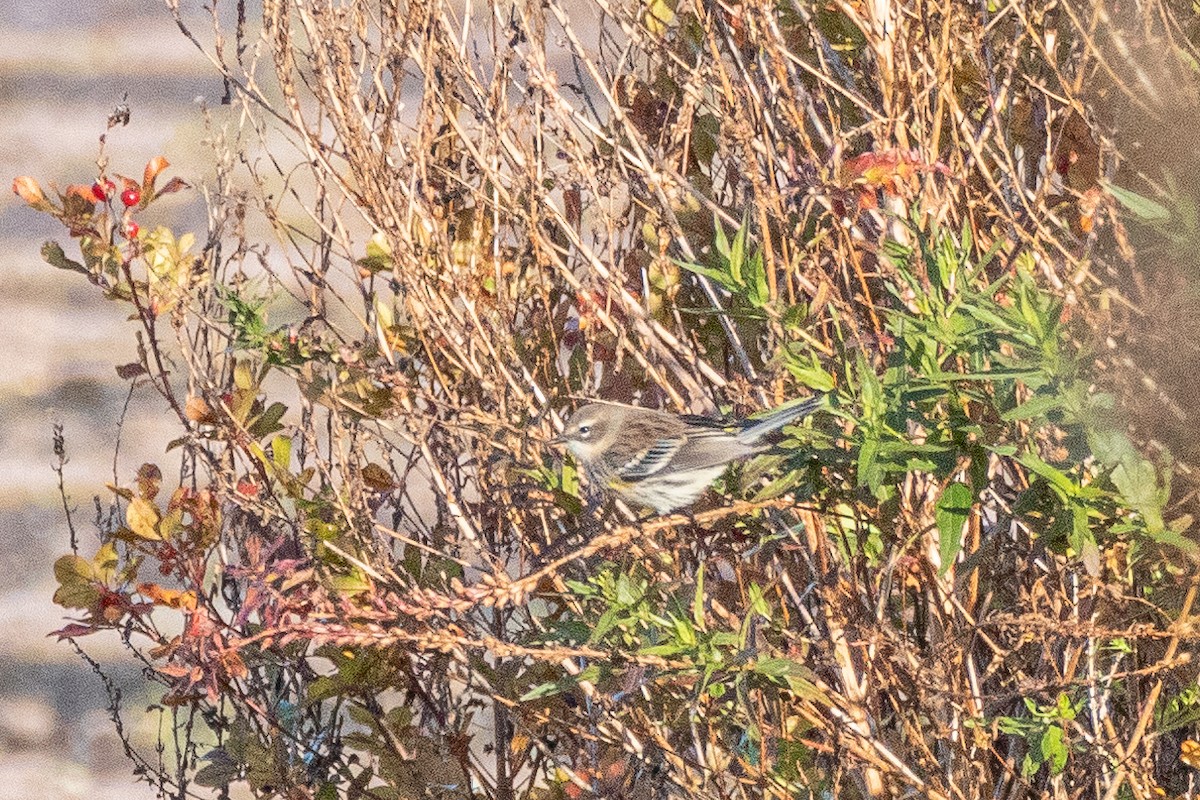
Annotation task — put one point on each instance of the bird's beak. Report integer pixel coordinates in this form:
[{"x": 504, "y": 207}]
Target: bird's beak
[{"x": 557, "y": 440}]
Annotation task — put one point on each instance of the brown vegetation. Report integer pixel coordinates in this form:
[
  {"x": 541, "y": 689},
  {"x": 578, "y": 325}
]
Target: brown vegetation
[{"x": 971, "y": 579}]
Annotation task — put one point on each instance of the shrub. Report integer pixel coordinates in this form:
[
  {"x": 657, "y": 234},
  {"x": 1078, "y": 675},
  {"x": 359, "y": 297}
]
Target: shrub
[{"x": 970, "y": 577}]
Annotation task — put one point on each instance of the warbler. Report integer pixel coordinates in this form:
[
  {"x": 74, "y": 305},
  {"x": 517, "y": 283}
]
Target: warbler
[{"x": 661, "y": 460}]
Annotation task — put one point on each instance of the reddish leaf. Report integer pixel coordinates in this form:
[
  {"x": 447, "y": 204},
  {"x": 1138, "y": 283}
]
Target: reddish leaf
[
  {"x": 173, "y": 185},
  {"x": 175, "y": 670},
  {"x": 73, "y": 630},
  {"x": 113, "y": 605}
]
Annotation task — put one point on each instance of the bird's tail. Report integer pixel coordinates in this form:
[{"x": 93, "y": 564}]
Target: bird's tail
[{"x": 755, "y": 429}]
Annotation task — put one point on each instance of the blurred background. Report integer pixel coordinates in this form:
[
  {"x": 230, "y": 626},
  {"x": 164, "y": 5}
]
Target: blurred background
[{"x": 64, "y": 66}]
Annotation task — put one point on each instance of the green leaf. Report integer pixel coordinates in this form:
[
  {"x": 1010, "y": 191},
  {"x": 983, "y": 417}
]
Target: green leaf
[
  {"x": 737, "y": 255},
  {"x": 1064, "y": 708},
  {"x": 71, "y": 568},
  {"x": 1172, "y": 539},
  {"x": 870, "y": 473},
  {"x": 379, "y": 255},
  {"x": 243, "y": 376},
  {"x": 352, "y": 583},
  {"x": 774, "y": 667},
  {"x": 1054, "y": 749},
  {"x": 608, "y": 620},
  {"x": 104, "y": 563},
  {"x": 1137, "y": 482},
  {"x": 663, "y": 650},
  {"x": 1036, "y": 406},
  {"x": 542, "y": 690},
  {"x": 698, "y": 599},
  {"x": 953, "y": 508},
  {"x": 268, "y": 422},
  {"x": 988, "y": 376},
  {"x": 76, "y": 582},
  {"x": 810, "y": 373},
  {"x": 758, "y": 292},
  {"x": 53, "y": 254},
  {"x": 1057, "y": 478},
  {"x": 797, "y": 676},
  {"x": 720, "y": 276},
  {"x": 720, "y": 242},
  {"x": 758, "y": 603},
  {"x": 1142, "y": 207},
  {"x": 685, "y": 634}
]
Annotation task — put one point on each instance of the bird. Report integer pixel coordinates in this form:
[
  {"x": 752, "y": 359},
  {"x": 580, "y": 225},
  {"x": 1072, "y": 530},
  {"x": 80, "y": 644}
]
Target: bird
[{"x": 661, "y": 460}]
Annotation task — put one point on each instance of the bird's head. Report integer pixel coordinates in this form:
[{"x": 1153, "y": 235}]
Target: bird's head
[{"x": 586, "y": 431}]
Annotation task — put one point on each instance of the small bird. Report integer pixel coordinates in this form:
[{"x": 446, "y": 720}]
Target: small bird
[{"x": 661, "y": 460}]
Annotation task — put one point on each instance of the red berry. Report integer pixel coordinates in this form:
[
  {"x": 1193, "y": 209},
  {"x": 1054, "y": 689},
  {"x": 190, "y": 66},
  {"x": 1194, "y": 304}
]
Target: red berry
[
  {"x": 103, "y": 191},
  {"x": 130, "y": 230},
  {"x": 131, "y": 197}
]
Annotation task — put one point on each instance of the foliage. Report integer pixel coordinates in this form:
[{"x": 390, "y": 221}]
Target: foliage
[{"x": 370, "y": 576}]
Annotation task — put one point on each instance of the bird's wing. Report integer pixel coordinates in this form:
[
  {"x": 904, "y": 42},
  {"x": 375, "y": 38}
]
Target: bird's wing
[
  {"x": 650, "y": 460},
  {"x": 711, "y": 445}
]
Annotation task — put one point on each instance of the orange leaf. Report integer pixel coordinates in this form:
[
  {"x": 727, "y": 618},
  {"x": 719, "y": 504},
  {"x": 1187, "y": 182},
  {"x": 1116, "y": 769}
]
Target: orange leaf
[
  {"x": 197, "y": 410},
  {"x": 1189, "y": 753},
  {"x": 82, "y": 191},
  {"x": 153, "y": 168},
  {"x": 171, "y": 598},
  {"x": 28, "y": 190}
]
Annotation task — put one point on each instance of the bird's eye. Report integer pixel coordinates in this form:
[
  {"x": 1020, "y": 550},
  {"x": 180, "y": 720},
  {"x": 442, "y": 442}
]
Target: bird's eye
[{"x": 584, "y": 430}]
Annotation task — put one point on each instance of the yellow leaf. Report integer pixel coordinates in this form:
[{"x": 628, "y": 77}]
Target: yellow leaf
[
  {"x": 142, "y": 518},
  {"x": 281, "y": 451},
  {"x": 1189, "y": 753},
  {"x": 659, "y": 15},
  {"x": 171, "y": 524},
  {"x": 243, "y": 376},
  {"x": 104, "y": 563}
]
